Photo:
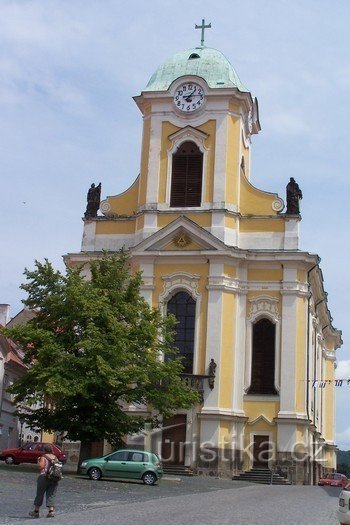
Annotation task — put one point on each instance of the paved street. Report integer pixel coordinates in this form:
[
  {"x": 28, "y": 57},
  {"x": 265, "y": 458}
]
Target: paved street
[{"x": 197, "y": 501}]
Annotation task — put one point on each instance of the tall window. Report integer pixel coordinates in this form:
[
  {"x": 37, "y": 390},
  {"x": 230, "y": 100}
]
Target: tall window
[
  {"x": 263, "y": 358},
  {"x": 186, "y": 179},
  {"x": 184, "y": 308}
]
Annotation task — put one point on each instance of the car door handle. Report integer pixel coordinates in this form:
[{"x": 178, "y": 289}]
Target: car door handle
[{"x": 123, "y": 463}]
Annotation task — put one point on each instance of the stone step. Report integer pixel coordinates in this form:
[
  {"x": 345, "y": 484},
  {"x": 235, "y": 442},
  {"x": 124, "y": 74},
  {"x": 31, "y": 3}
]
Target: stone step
[
  {"x": 177, "y": 470},
  {"x": 262, "y": 476}
]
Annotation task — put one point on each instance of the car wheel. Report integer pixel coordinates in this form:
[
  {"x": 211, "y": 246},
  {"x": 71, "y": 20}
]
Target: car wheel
[
  {"x": 94, "y": 473},
  {"x": 10, "y": 460},
  {"x": 149, "y": 478}
]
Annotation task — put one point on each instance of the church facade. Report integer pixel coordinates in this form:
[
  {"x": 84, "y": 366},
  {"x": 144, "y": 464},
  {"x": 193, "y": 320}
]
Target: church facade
[{"x": 220, "y": 254}]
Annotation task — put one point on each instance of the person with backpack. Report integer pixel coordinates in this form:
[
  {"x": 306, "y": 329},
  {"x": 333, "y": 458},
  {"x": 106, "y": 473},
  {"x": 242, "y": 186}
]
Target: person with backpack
[{"x": 47, "y": 483}]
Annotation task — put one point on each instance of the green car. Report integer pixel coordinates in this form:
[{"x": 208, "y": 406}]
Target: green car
[{"x": 131, "y": 464}]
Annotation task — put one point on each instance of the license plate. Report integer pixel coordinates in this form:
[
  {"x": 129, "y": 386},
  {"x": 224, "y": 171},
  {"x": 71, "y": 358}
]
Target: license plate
[{"x": 341, "y": 502}]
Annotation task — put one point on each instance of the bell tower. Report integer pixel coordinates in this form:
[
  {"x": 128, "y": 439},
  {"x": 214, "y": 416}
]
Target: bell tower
[{"x": 198, "y": 122}]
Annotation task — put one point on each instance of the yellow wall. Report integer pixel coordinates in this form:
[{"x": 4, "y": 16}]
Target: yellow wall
[
  {"x": 254, "y": 201},
  {"x": 115, "y": 226},
  {"x": 202, "y": 219},
  {"x": 126, "y": 203},
  {"x": 265, "y": 274},
  {"x": 231, "y": 222},
  {"x": 302, "y": 276},
  {"x": 230, "y": 271},
  {"x": 140, "y": 222},
  {"x": 331, "y": 459},
  {"x": 254, "y": 409},
  {"x": 261, "y": 225}
]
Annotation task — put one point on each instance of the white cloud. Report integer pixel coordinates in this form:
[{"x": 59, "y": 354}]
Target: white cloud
[
  {"x": 343, "y": 439},
  {"x": 288, "y": 123},
  {"x": 343, "y": 369}
]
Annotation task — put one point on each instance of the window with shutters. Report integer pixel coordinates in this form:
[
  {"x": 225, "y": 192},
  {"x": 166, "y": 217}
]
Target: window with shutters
[
  {"x": 263, "y": 358},
  {"x": 183, "y": 307},
  {"x": 186, "y": 177}
]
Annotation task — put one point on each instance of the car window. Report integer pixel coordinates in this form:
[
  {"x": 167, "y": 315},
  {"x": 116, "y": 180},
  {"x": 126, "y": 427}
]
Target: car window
[
  {"x": 137, "y": 456},
  {"x": 337, "y": 476},
  {"x": 29, "y": 446},
  {"x": 119, "y": 456},
  {"x": 39, "y": 447}
]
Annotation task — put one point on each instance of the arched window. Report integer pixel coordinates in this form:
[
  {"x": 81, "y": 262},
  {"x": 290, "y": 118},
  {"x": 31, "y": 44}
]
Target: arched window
[
  {"x": 186, "y": 179},
  {"x": 263, "y": 358},
  {"x": 183, "y": 307}
]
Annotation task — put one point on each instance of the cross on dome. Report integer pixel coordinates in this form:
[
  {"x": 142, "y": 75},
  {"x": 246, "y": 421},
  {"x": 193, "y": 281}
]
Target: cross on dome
[{"x": 203, "y": 27}]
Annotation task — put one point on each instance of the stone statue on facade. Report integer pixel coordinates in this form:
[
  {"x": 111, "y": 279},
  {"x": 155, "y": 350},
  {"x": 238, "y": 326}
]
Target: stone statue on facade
[
  {"x": 294, "y": 195},
  {"x": 93, "y": 201},
  {"x": 212, "y": 369}
]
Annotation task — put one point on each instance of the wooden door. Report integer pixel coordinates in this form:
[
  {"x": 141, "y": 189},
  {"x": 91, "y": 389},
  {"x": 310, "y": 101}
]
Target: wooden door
[
  {"x": 173, "y": 440},
  {"x": 261, "y": 451}
]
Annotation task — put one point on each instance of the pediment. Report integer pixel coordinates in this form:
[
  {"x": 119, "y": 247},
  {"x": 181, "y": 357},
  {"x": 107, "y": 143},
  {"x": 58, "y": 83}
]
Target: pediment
[
  {"x": 188, "y": 132},
  {"x": 180, "y": 235},
  {"x": 263, "y": 418}
]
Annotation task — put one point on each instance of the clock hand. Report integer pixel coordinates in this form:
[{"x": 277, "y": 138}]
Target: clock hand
[{"x": 188, "y": 98}]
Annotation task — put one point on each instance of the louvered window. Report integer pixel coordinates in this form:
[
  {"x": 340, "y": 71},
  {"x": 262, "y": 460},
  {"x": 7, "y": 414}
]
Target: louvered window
[
  {"x": 263, "y": 358},
  {"x": 186, "y": 180}
]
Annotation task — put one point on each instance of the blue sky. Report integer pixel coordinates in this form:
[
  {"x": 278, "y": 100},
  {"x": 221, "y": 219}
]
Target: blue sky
[{"x": 69, "y": 69}]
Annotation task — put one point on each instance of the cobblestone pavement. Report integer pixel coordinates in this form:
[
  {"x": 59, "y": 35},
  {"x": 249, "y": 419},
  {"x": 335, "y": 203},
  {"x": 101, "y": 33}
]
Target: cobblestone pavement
[{"x": 195, "y": 501}]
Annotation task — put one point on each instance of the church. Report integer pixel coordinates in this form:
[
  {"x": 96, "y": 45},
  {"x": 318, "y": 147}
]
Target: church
[{"x": 222, "y": 255}]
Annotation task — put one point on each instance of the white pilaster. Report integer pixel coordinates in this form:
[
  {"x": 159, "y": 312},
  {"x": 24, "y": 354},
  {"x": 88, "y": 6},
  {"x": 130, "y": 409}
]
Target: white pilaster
[
  {"x": 291, "y": 234},
  {"x": 147, "y": 286},
  {"x": 214, "y": 335},
  {"x": 288, "y": 347},
  {"x": 153, "y": 160},
  {"x": 218, "y": 225},
  {"x": 89, "y": 235},
  {"x": 238, "y": 379},
  {"x": 220, "y": 160}
]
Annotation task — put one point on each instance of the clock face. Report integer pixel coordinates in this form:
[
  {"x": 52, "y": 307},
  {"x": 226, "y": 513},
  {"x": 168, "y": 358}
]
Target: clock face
[{"x": 189, "y": 97}]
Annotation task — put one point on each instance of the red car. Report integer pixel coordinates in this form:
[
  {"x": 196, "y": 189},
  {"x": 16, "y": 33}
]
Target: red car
[
  {"x": 29, "y": 453},
  {"x": 334, "y": 480}
]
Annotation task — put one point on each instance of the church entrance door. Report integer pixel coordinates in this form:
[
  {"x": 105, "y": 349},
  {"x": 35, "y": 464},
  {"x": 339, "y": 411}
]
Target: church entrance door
[
  {"x": 173, "y": 440},
  {"x": 261, "y": 451}
]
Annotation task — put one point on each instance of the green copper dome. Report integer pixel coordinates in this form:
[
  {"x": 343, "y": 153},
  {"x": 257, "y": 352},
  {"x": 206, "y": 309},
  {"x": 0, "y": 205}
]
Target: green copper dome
[{"x": 204, "y": 62}]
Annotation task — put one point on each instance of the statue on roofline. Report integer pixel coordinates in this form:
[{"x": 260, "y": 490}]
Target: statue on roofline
[
  {"x": 93, "y": 201},
  {"x": 294, "y": 195}
]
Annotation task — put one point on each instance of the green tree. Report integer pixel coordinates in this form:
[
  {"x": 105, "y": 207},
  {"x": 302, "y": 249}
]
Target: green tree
[{"x": 94, "y": 347}]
